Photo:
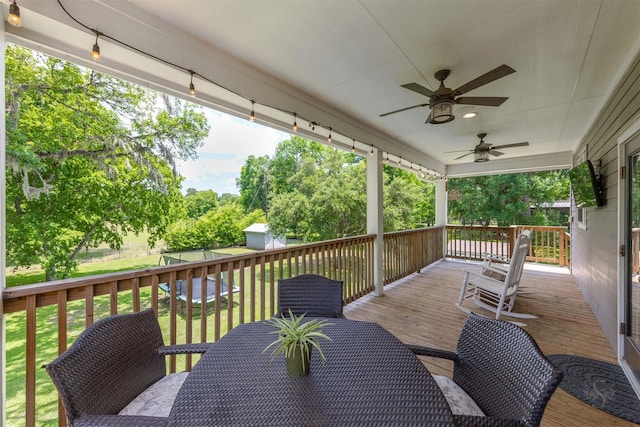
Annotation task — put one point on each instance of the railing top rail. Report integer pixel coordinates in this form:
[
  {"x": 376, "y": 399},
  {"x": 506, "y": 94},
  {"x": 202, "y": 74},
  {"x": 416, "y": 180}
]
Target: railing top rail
[
  {"x": 63, "y": 284},
  {"x": 533, "y": 227},
  {"x": 397, "y": 233}
]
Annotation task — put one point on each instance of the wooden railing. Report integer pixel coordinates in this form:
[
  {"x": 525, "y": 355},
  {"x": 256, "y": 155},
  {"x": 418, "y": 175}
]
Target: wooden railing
[
  {"x": 406, "y": 252},
  {"x": 56, "y": 312},
  {"x": 548, "y": 244}
]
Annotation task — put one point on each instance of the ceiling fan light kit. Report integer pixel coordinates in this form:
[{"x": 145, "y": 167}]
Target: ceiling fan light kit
[
  {"x": 441, "y": 112},
  {"x": 481, "y": 156}
]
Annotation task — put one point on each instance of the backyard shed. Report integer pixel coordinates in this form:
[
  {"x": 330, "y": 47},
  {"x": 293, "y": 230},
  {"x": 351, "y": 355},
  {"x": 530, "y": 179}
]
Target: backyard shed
[{"x": 259, "y": 237}]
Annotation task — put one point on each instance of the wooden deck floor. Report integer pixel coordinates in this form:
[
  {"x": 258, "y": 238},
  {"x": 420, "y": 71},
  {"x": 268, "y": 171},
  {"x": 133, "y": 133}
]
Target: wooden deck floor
[{"x": 420, "y": 309}]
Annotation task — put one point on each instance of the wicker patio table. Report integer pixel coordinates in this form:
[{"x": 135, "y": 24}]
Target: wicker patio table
[{"x": 369, "y": 378}]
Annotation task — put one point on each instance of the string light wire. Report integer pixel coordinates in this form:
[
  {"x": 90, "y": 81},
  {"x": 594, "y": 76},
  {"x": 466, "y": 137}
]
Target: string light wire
[{"x": 192, "y": 73}]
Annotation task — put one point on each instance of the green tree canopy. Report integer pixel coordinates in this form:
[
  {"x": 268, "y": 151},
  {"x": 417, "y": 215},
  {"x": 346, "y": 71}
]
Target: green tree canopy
[
  {"x": 90, "y": 159},
  {"x": 319, "y": 193},
  {"x": 507, "y": 199},
  {"x": 253, "y": 183},
  {"x": 198, "y": 203}
]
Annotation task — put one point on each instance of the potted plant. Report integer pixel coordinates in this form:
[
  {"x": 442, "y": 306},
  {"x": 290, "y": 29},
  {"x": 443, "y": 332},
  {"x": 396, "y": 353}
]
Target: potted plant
[{"x": 295, "y": 340}]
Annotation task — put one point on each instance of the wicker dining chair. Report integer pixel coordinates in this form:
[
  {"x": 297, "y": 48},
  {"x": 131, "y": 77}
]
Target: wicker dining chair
[
  {"x": 501, "y": 368},
  {"x": 111, "y": 363},
  {"x": 315, "y": 295}
]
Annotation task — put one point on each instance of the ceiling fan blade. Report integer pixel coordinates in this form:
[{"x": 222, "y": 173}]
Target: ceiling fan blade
[
  {"x": 495, "y": 153},
  {"x": 456, "y": 151},
  {"x": 403, "y": 109},
  {"x": 464, "y": 155},
  {"x": 495, "y": 74},
  {"x": 428, "y": 118},
  {"x": 490, "y": 101},
  {"x": 517, "y": 144},
  {"x": 419, "y": 88}
]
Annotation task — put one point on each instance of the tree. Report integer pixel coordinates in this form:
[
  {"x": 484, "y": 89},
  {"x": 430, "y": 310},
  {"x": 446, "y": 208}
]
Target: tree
[
  {"x": 199, "y": 203},
  {"x": 90, "y": 159},
  {"x": 507, "y": 199},
  {"x": 407, "y": 202},
  {"x": 221, "y": 227},
  {"x": 227, "y": 198},
  {"x": 253, "y": 183},
  {"x": 322, "y": 195}
]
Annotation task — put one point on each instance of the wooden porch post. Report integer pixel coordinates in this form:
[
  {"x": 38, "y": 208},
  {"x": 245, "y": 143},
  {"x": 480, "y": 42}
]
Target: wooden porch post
[
  {"x": 442, "y": 210},
  {"x": 3, "y": 279},
  {"x": 374, "y": 217}
]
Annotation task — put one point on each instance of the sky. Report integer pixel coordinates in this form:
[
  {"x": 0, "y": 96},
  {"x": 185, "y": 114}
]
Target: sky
[{"x": 230, "y": 142}]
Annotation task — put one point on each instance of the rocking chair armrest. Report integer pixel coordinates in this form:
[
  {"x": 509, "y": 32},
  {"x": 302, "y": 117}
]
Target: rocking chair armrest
[
  {"x": 419, "y": 350},
  {"x": 497, "y": 258},
  {"x": 479, "y": 421},
  {"x": 184, "y": 348},
  {"x": 493, "y": 269}
]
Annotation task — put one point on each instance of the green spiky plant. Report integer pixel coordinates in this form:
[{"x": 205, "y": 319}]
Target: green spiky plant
[{"x": 293, "y": 333}]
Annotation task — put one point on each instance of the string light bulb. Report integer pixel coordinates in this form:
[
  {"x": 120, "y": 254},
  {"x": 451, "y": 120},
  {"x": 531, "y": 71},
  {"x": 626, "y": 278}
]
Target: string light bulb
[
  {"x": 371, "y": 153},
  {"x": 400, "y": 161},
  {"x": 192, "y": 88},
  {"x": 329, "y": 137},
  {"x": 353, "y": 146},
  {"x": 14, "y": 15},
  {"x": 95, "y": 52},
  {"x": 252, "y": 116},
  {"x": 387, "y": 161},
  {"x": 295, "y": 123}
]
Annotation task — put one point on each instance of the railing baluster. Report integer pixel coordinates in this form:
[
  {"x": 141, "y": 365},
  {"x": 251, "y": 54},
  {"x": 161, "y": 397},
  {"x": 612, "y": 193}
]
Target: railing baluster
[
  {"x": 154, "y": 292},
  {"x": 172, "y": 318},
  {"x": 230, "y": 285},
  {"x": 62, "y": 343},
  {"x": 135, "y": 291},
  {"x": 252, "y": 283},
  {"x": 88, "y": 309},
  {"x": 241, "y": 299},
  {"x": 30, "y": 377},
  {"x": 113, "y": 298},
  {"x": 216, "y": 302},
  {"x": 272, "y": 285},
  {"x": 263, "y": 287}
]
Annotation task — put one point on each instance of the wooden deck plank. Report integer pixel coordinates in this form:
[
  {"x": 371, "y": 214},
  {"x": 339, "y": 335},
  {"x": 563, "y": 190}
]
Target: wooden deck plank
[{"x": 420, "y": 309}]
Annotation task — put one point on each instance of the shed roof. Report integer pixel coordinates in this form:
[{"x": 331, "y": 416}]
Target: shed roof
[{"x": 257, "y": 228}]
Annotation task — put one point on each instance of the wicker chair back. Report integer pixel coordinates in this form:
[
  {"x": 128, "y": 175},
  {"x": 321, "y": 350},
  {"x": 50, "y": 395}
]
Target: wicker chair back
[
  {"x": 503, "y": 370},
  {"x": 312, "y": 294},
  {"x": 109, "y": 364}
]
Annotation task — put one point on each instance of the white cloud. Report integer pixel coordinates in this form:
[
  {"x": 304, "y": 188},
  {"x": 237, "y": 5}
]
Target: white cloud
[{"x": 230, "y": 142}]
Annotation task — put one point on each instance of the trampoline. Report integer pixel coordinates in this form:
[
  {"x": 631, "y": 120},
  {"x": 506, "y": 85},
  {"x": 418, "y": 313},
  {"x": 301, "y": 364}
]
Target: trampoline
[{"x": 196, "y": 293}]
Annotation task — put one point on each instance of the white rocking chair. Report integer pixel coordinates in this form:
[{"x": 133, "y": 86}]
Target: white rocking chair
[
  {"x": 496, "y": 266},
  {"x": 493, "y": 294}
]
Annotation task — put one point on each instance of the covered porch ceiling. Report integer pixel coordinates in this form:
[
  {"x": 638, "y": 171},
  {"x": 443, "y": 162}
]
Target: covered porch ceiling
[{"x": 339, "y": 65}]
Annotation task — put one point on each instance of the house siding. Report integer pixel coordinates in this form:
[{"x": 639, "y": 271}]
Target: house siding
[{"x": 595, "y": 250}]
